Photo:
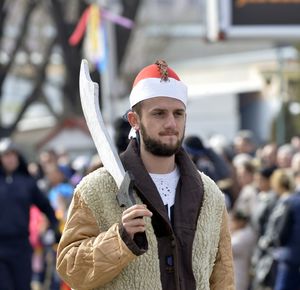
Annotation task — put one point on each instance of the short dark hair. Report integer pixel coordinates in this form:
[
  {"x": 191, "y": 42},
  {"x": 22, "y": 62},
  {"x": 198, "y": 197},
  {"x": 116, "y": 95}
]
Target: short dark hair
[
  {"x": 266, "y": 172},
  {"x": 249, "y": 167},
  {"x": 138, "y": 108}
]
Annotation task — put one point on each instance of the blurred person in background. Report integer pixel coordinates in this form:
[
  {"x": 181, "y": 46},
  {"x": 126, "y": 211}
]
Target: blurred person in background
[
  {"x": 247, "y": 196},
  {"x": 18, "y": 192},
  {"x": 266, "y": 200},
  {"x": 80, "y": 166},
  {"x": 194, "y": 146},
  {"x": 241, "y": 159},
  {"x": 243, "y": 240},
  {"x": 295, "y": 163},
  {"x": 268, "y": 156},
  {"x": 295, "y": 167},
  {"x": 210, "y": 163},
  {"x": 35, "y": 170},
  {"x": 284, "y": 156},
  {"x": 244, "y": 142},
  {"x": 295, "y": 142},
  {"x": 288, "y": 252},
  {"x": 266, "y": 270},
  {"x": 205, "y": 158},
  {"x": 60, "y": 193},
  {"x": 221, "y": 146},
  {"x": 48, "y": 157},
  {"x": 122, "y": 129},
  {"x": 297, "y": 180},
  {"x": 63, "y": 157}
]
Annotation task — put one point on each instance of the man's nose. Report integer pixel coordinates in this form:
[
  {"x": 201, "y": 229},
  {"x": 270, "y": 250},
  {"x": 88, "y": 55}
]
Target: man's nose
[{"x": 171, "y": 122}]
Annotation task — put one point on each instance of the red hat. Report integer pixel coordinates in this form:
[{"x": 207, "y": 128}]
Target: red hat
[{"x": 157, "y": 80}]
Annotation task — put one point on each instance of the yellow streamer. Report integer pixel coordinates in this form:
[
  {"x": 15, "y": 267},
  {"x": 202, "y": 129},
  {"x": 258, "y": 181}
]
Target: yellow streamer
[{"x": 94, "y": 22}]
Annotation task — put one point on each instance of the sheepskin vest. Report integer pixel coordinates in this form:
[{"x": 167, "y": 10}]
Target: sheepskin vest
[{"x": 144, "y": 271}]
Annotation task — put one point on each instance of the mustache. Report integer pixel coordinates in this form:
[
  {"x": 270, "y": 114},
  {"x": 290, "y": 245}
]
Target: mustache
[{"x": 168, "y": 133}]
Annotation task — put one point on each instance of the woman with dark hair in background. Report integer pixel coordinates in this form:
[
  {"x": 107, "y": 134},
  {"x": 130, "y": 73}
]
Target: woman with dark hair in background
[{"x": 18, "y": 192}]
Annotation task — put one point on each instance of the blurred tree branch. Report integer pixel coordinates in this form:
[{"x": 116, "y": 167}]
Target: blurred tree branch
[
  {"x": 4, "y": 69},
  {"x": 36, "y": 92},
  {"x": 37, "y": 72}
]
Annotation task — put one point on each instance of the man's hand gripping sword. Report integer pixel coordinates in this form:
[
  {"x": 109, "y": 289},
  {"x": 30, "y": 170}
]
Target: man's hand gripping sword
[{"x": 89, "y": 96}]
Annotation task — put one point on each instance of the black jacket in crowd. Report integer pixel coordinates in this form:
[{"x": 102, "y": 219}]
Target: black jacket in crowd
[{"x": 18, "y": 192}]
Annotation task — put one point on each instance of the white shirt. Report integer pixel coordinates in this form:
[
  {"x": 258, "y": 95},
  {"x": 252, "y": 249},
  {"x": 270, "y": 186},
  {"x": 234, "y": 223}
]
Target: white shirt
[{"x": 166, "y": 185}]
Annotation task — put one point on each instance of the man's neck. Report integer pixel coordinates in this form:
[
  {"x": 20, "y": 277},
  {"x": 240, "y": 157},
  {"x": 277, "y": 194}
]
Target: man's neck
[{"x": 158, "y": 164}]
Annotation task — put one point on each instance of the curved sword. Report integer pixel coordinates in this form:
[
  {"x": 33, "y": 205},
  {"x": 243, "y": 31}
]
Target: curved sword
[{"x": 89, "y": 96}]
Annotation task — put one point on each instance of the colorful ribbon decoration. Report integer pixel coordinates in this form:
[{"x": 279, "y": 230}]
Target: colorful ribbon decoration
[
  {"x": 90, "y": 26},
  {"x": 78, "y": 33}
]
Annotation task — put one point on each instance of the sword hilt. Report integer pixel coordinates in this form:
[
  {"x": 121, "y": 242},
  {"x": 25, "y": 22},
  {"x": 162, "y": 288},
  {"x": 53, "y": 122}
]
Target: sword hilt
[{"x": 125, "y": 196}]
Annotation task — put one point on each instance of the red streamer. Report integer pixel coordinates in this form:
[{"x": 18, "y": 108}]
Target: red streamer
[{"x": 78, "y": 33}]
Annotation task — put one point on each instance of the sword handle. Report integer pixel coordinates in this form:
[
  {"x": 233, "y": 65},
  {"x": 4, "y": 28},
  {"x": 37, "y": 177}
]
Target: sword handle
[{"x": 125, "y": 196}]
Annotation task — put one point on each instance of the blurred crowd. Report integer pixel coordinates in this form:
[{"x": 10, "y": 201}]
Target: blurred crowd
[
  {"x": 261, "y": 184},
  {"x": 56, "y": 175},
  {"x": 34, "y": 199}
]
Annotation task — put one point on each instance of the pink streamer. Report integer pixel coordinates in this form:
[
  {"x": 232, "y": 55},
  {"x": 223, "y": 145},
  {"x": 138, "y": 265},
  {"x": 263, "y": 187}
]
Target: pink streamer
[{"x": 117, "y": 19}]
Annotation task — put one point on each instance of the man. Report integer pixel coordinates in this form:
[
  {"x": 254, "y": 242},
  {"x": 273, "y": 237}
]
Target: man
[
  {"x": 176, "y": 236},
  {"x": 18, "y": 192},
  {"x": 244, "y": 142}
]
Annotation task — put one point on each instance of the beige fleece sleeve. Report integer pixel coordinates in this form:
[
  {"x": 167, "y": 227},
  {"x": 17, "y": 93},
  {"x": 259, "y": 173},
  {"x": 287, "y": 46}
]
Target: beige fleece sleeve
[
  {"x": 222, "y": 277},
  {"x": 86, "y": 258}
]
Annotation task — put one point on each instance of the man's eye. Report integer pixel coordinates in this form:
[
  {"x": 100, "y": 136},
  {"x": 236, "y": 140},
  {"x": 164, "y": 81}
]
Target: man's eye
[{"x": 178, "y": 114}]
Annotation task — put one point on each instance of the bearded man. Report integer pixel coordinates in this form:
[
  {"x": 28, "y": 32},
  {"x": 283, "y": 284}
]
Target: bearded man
[{"x": 176, "y": 236}]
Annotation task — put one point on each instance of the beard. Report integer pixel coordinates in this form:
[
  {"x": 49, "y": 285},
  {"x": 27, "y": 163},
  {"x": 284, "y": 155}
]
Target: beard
[{"x": 158, "y": 148}]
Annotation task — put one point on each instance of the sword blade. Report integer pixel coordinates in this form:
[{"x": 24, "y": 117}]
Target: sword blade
[{"x": 89, "y": 96}]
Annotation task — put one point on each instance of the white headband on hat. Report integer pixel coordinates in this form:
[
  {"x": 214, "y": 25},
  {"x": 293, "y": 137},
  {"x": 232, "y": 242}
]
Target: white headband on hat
[{"x": 154, "y": 87}]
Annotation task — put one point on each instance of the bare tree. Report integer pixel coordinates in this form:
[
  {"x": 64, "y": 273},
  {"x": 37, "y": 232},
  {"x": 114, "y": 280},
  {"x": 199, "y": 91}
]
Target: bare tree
[{"x": 44, "y": 45}]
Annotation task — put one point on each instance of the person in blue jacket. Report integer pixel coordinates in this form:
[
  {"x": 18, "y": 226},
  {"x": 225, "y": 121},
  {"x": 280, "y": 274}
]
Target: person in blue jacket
[
  {"x": 18, "y": 192},
  {"x": 288, "y": 252}
]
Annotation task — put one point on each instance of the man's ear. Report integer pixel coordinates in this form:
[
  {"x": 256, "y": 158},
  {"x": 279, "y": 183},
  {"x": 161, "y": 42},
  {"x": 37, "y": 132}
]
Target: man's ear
[{"x": 133, "y": 120}]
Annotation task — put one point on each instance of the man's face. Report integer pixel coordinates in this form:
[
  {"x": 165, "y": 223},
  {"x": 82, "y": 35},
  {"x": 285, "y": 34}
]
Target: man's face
[
  {"x": 162, "y": 125},
  {"x": 10, "y": 161}
]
